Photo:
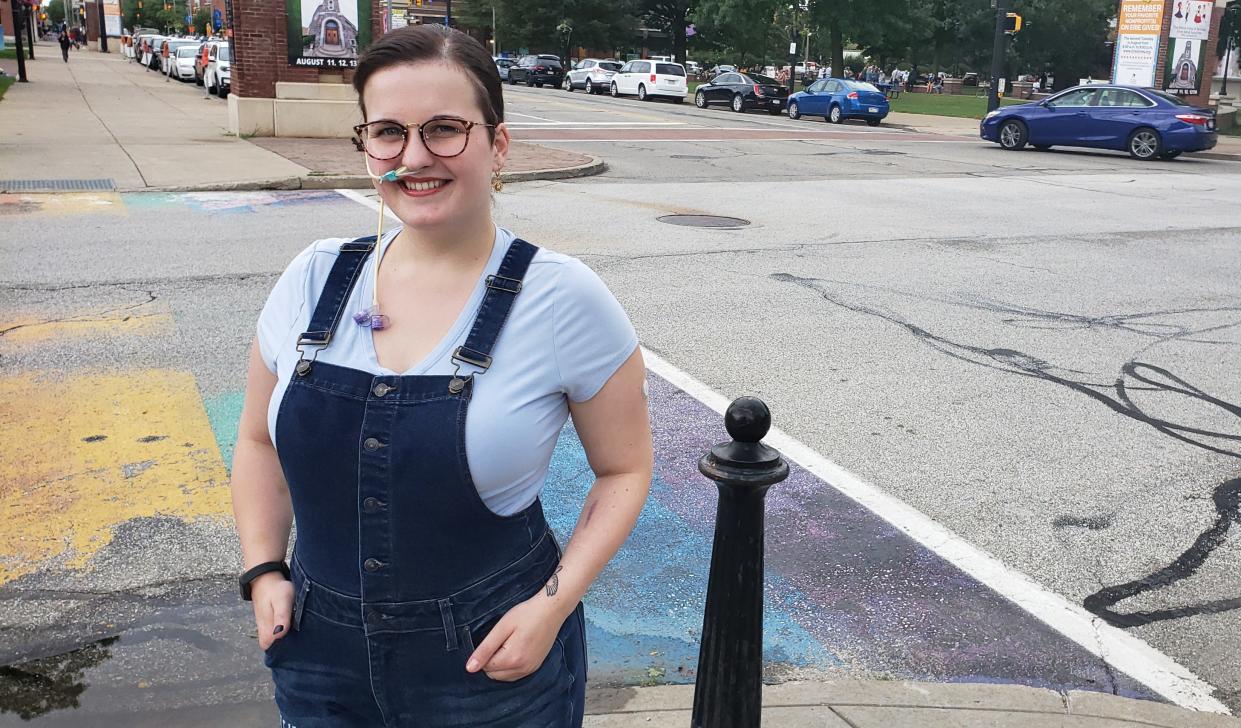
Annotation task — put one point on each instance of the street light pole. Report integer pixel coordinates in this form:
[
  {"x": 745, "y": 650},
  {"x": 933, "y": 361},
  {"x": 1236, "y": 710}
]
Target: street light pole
[
  {"x": 17, "y": 37},
  {"x": 997, "y": 55}
]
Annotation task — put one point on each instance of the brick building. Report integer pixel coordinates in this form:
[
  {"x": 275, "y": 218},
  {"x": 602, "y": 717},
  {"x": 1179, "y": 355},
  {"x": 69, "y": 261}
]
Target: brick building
[{"x": 275, "y": 94}]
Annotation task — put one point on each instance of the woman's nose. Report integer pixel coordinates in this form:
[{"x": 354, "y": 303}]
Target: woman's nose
[{"x": 416, "y": 155}]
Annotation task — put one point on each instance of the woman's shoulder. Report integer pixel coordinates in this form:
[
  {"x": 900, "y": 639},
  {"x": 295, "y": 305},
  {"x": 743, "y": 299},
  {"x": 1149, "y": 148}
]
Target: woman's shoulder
[
  {"x": 563, "y": 274},
  {"x": 316, "y": 260}
]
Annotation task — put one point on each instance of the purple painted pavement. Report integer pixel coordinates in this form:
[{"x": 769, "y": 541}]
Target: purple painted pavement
[{"x": 877, "y": 600}]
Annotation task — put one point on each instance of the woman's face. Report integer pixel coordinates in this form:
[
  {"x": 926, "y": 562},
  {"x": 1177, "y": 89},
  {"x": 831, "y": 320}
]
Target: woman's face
[{"x": 456, "y": 189}]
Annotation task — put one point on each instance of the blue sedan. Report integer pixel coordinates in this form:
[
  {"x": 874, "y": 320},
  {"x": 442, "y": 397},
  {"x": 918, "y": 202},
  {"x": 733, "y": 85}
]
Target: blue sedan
[
  {"x": 1146, "y": 123},
  {"x": 837, "y": 99}
]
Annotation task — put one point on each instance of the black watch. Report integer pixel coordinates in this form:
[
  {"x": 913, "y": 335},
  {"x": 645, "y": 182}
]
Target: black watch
[{"x": 252, "y": 574}]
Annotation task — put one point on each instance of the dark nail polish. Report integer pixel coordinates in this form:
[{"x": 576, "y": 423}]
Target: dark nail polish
[{"x": 279, "y": 628}]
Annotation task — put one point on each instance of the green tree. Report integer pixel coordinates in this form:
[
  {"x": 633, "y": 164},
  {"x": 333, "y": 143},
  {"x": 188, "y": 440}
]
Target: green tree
[
  {"x": 1065, "y": 37},
  {"x": 55, "y": 12},
  {"x": 202, "y": 20},
  {"x": 670, "y": 16},
  {"x": 1230, "y": 29},
  {"x": 743, "y": 32},
  {"x": 554, "y": 25}
]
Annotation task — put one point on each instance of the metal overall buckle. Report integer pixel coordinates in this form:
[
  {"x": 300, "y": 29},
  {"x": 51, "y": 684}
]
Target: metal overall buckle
[
  {"x": 460, "y": 356},
  {"x": 319, "y": 340}
]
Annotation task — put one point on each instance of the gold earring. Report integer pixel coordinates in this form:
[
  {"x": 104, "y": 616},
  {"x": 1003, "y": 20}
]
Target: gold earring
[{"x": 497, "y": 184}]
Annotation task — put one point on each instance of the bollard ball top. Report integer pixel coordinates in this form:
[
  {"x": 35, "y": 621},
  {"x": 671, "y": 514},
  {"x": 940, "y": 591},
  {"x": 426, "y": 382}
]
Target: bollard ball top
[{"x": 747, "y": 419}]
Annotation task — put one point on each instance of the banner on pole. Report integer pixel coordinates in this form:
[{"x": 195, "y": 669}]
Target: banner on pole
[{"x": 327, "y": 33}]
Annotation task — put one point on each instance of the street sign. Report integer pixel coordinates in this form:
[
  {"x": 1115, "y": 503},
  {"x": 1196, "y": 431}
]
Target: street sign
[{"x": 792, "y": 49}]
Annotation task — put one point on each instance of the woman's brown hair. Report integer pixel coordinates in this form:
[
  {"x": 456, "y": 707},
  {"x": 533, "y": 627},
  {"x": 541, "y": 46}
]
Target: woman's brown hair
[{"x": 415, "y": 43}]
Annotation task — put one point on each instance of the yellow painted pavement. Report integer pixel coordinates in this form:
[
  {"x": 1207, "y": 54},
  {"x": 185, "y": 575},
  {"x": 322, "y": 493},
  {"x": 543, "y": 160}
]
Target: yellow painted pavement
[
  {"x": 30, "y": 330},
  {"x": 82, "y": 454},
  {"x": 62, "y": 204}
]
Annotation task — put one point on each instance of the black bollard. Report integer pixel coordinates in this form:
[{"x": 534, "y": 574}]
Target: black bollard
[{"x": 728, "y": 690}]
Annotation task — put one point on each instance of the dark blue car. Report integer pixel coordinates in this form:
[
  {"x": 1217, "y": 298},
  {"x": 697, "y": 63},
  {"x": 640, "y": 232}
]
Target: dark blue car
[
  {"x": 1146, "y": 123},
  {"x": 837, "y": 99}
]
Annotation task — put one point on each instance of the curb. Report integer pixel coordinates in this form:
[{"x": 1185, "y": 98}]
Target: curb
[{"x": 358, "y": 182}]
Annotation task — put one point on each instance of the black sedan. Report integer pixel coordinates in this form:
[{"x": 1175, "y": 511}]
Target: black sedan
[
  {"x": 743, "y": 91},
  {"x": 537, "y": 70}
]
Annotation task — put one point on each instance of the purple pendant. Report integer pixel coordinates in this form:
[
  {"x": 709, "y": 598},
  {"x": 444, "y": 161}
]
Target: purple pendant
[{"x": 371, "y": 319}]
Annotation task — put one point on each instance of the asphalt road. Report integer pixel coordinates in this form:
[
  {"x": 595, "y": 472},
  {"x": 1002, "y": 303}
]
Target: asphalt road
[{"x": 1038, "y": 351}]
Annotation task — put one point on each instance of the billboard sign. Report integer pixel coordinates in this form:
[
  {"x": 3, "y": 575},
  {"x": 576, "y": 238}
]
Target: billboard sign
[{"x": 1137, "y": 42}]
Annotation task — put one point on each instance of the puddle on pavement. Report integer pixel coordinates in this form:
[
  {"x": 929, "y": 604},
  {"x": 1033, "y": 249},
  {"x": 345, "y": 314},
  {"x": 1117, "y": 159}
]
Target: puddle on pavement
[
  {"x": 33, "y": 688},
  {"x": 139, "y": 661}
]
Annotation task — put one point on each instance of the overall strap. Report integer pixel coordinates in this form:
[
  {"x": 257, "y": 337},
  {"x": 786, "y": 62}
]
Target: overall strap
[
  {"x": 331, "y": 304},
  {"x": 502, "y": 290}
]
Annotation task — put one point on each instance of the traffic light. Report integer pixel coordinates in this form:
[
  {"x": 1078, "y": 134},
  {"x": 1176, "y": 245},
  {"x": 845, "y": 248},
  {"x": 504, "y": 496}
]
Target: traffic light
[{"x": 1012, "y": 23}]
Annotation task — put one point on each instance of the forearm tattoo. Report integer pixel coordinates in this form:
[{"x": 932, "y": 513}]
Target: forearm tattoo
[{"x": 553, "y": 584}]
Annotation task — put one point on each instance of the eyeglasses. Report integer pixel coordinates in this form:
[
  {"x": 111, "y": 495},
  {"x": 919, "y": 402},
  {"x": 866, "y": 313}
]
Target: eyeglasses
[{"x": 443, "y": 136}]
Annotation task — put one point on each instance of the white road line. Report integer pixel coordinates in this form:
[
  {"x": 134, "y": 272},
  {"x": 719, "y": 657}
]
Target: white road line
[
  {"x": 590, "y": 124},
  {"x": 530, "y": 116},
  {"x": 1114, "y": 646},
  {"x": 362, "y": 199},
  {"x": 768, "y": 139}
]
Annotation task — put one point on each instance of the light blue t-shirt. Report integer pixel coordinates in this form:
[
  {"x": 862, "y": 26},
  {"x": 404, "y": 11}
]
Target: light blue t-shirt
[{"x": 564, "y": 338}]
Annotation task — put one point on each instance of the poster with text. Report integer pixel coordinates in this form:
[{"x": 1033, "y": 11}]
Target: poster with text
[
  {"x": 327, "y": 33},
  {"x": 1191, "y": 20},
  {"x": 1136, "y": 53},
  {"x": 1184, "y": 66},
  {"x": 1136, "y": 57}
]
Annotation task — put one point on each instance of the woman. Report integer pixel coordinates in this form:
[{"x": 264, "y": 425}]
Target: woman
[{"x": 403, "y": 400}]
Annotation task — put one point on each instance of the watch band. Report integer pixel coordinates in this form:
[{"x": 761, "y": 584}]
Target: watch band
[{"x": 251, "y": 574}]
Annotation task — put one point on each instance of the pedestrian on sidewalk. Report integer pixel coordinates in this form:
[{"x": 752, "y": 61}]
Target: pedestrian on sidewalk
[
  {"x": 426, "y": 588},
  {"x": 64, "y": 41}
]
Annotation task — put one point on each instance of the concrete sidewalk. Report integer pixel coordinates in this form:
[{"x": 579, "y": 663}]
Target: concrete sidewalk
[
  {"x": 100, "y": 116},
  {"x": 901, "y": 704}
]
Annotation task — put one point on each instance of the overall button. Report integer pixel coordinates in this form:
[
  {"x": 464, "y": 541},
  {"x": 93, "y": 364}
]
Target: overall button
[
  {"x": 373, "y": 505},
  {"x": 371, "y": 444},
  {"x": 381, "y": 389},
  {"x": 372, "y": 564}
]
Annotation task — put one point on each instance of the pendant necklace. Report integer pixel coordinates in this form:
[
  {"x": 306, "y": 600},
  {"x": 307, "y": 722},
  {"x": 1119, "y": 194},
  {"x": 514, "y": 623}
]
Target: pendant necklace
[{"x": 370, "y": 317}]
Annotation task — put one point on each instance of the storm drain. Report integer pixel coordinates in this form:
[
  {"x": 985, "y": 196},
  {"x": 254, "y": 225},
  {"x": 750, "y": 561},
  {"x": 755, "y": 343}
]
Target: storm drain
[
  {"x": 57, "y": 185},
  {"x": 707, "y": 221}
]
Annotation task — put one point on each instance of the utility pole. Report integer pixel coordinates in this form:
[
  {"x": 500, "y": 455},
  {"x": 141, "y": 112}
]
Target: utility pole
[
  {"x": 18, "y": 13},
  {"x": 103, "y": 27},
  {"x": 997, "y": 54},
  {"x": 30, "y": 30}
]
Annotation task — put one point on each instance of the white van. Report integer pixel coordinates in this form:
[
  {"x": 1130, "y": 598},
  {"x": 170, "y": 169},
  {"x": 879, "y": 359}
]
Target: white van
[{"x": 649, "y": 78}]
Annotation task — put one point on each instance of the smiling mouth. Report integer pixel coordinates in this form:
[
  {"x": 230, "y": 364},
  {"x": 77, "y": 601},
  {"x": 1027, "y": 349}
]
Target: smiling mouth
[{"x": 421, "y": 185}]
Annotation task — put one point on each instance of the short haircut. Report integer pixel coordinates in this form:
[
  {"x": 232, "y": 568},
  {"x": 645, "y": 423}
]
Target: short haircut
[{"x": 436, "y": 43}]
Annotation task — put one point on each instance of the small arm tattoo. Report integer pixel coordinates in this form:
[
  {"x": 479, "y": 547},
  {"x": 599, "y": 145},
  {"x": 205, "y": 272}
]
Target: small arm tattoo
[{"x": 553, "y": 584}]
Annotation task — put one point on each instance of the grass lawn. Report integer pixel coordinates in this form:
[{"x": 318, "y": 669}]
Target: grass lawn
[
  {"x": 10, "y": 52},
  {"x": 5, "y": 82},
  {"x": 967, "y": 106},
  {"x": 1233, "y": 131}
]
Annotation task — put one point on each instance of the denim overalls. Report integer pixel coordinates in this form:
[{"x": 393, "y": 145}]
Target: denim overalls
[{"x": 399, "y": 568}]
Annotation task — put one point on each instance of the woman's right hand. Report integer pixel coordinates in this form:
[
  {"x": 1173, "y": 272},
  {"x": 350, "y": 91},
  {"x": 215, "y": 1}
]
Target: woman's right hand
[{"x": 273, "y": 607}]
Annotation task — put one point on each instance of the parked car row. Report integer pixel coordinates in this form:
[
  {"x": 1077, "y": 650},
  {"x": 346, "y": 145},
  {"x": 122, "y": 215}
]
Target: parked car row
[
  {"x": 834, "y": 99},
  {"x": 205, "y": 62}
]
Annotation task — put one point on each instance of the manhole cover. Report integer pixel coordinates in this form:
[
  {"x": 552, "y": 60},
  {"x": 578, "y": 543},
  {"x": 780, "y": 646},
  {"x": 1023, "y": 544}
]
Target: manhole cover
[
  {"x": 56, "y": 185},
  {"x": 709, "y": 221}
]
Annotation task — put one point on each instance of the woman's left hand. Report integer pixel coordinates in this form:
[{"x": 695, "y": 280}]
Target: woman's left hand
[{"x": 520, "y": 641}]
